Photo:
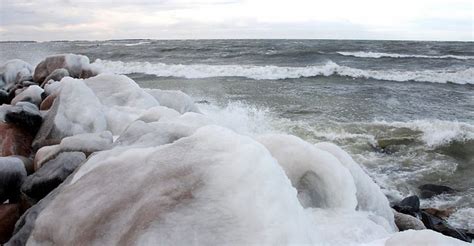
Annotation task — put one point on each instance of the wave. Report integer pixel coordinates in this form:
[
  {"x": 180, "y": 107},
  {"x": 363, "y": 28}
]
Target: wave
[
  {"x": 436, "y": 133},
  {"x": 369, "y": 54},
  {"x": 270, "y": 72},
  {"x": 139, "y": 43}
]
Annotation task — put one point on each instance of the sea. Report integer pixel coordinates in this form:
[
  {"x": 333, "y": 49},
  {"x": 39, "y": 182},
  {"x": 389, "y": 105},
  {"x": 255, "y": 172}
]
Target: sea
[{"x": 404, "y": 110}]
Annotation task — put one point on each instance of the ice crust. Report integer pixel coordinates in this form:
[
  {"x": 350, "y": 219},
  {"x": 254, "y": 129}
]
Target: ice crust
[{"x": 174, "y": 176}]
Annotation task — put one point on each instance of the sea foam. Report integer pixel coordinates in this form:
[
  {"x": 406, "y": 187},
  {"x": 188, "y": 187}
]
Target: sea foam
[
  {"x": 369, "y": 54},
  {"x": 270, "y": 72}
]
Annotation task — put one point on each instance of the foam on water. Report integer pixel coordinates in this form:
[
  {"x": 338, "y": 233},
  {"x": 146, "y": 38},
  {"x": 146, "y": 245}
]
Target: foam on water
[
  {"x": 369, "y": 54},
  {"x": 270, "y": 72},
  {"x": 437, "y": 132}
]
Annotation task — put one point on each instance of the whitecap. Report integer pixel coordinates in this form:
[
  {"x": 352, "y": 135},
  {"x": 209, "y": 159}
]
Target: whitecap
[{"x": 270, "y": 72}]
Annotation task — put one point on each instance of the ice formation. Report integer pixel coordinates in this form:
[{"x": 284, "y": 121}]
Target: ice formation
[
  {"x": 14, "y": 71},
  {"x": 176, "y": 100},
  {"x": 173, "y": 176}
]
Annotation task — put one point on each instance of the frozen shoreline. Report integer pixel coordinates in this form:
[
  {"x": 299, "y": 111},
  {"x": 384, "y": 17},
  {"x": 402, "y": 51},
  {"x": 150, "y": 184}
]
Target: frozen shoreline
[{"x": 172, "y": 175}]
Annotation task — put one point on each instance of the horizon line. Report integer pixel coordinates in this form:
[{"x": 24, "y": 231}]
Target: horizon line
[{"x": 197, "y": 39}]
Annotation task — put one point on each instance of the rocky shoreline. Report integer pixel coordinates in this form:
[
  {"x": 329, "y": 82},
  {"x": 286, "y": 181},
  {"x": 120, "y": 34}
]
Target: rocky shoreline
[{"x": 64, "y": 114}]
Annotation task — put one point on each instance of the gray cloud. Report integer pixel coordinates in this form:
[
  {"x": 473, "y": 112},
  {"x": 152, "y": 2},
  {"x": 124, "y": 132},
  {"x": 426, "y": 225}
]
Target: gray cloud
[{"x": 164, "y": 19}]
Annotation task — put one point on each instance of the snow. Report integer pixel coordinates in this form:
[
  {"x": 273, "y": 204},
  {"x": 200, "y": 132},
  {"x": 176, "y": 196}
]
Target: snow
[
  {"x": 14, "y": 71},
  {"x": 31, "y": 94},
  {"x": 321, "y": 180},
  {"x": 174, "y": 99},
  {"x": 79, "y": 109}
]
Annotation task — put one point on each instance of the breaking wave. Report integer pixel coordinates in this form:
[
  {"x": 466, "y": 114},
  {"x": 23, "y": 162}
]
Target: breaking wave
[
  {"x": 369, "y": 54},
  {"x": 463, "y": 76}
]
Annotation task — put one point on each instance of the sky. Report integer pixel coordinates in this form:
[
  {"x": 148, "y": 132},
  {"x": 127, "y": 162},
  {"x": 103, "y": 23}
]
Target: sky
[{"x": 43, "y": 20}]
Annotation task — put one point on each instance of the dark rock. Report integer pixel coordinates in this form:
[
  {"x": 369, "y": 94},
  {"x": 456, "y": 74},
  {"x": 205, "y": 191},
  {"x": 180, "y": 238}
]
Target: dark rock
[
  {"x": 52, "y": 174},
  {"x": 56, "y": 75},
  {"x": 441, "y": 226},
  {"x": 9, "y": 215},
  {"x": 14, "y": 140},
  {"x": 407, "y": 222},
  {"x": 26, "y": 223},
  {"x": 26, "y": 116},
  {"x": 27, "y": 163},
  {"x": 12, "y": 175},
  {"x": 409, "y": 205},
  {"x": 430, "y": 190},
  {"x": 4, "y": 97}
]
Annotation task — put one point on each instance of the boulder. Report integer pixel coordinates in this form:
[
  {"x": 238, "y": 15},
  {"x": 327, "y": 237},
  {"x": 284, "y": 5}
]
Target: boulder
[
  {"x": 430, "y": 190},
  {"x": 174, "y": 99},
  {"x": 31, "y": 94},
  {"x": 409, "y": 206},
  {"x": 440, "y": 225},
  {"x": 56, "y": 75},
  {"x": 52, "y": 174},
  {"x": 48, "y": 101},
  {"x": 86, "y": 143},
  {"x": 407, "y": 222},
  {"x": 9, "y": 215},
  {"x": 4, "y": 97},
  {"x": 77, "y": 66},
  {"x": 76, "y": 110},
  {"x": 12, "y": 175},
  {"x": 14, "y": 140},
  {"x": 26, "y": 116},
  {"x": 14, "y": 71}
]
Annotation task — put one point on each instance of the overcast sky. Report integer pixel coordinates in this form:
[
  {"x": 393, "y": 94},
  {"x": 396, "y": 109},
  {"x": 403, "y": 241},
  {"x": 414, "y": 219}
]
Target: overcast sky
[{"x": 195, "y": 19}]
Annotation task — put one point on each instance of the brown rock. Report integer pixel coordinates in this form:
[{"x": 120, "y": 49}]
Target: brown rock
[
  {"x": 48, "y": 101},
  {"x": 77, "y": 66},
  {"x": 9, "y": 215},
  {"x": 14, "y": 140},
  {"x": 441, "y": 213}
]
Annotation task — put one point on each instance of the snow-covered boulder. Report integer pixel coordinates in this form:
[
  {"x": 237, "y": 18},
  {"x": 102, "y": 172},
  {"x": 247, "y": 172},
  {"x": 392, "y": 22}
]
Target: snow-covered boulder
[
  {"x": 122, "y": 99},
  {"x": 14, "y": 71},
  {"x": 31, "y": 94},
  {"x": 76, "y": 110},
  {"x": 174, "y": 99},
  {"x": 86, "y": 143},
  {"x": 12, "y": 175},
  {"x": 78, "y": 66},
  {"x": 188, "y": 192}
]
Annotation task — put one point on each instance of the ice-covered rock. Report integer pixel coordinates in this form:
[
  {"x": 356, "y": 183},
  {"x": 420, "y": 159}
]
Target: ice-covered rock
[
  {"x": 26, "y": 116},
  {"x": 423, "y": 237},
  {"x": 31, "y": 94},
  {"x": 157, "y": 113},
  {"x": 86, "y": 143},
  {"x": 407, "y": 222},
  {"x": 14, "y": 71},
  {"x": 174, "y": 99},
  {"x": 76, "y": 110},
  {"x": 369, "y": 195},
  {"x": 52, "y": 174},
  {"x": 123, "y": 100},
  {"x": 321, "y": 180},
  {"x": 12, "y": 175},
  {"x": 78, "y": 66},
  {"x": 188, "y": 192},
  {"x": 56, "y": 75}
]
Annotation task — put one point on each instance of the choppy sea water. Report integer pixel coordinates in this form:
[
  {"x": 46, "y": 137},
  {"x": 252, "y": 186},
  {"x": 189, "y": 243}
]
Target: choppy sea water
[{"x": 415, "y": 99}]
